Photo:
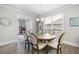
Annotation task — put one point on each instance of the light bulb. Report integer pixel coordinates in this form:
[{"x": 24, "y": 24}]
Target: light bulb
[{"x": 37, "y": 19}]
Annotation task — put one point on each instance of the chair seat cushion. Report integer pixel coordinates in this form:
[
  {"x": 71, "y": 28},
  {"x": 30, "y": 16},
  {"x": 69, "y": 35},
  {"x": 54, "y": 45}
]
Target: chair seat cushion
[
  {"x": 53, "y": 44},
  {"x": 40, "y": 45}
]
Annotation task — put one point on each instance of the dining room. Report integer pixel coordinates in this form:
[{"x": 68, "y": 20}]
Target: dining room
[{"x": 39, "y": 29}]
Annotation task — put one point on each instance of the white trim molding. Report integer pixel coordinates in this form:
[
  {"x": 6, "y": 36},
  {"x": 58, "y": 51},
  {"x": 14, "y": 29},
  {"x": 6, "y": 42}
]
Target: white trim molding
[
  {"x": 71, "y": 43},
  {"x": 65, "y": 42},
  {"x": 30, "y": 14},
  {"x": 7, "y": 42}
]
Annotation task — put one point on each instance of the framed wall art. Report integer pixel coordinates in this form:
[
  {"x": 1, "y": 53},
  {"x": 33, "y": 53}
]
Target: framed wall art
[
  {"x": 5, "y": 21},
  {"x": 74, "y": 21}
]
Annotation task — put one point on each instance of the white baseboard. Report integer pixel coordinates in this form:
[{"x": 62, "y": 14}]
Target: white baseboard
[
  {"x": 71, "y": 43},
  {"x": 65, "y": 42},
  {"x": 7, "y": 42}
]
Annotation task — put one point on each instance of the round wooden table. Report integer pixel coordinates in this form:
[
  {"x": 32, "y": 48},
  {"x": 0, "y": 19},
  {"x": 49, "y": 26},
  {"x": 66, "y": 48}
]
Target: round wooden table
[{"x": 46, "y": 37}]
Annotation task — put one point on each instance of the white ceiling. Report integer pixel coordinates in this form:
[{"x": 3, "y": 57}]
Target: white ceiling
[{"x": 37, "y": 8}]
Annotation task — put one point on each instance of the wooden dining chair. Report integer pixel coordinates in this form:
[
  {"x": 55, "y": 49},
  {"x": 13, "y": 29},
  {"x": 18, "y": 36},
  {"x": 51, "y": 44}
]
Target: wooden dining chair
[
  {"x": 36, "y": 45},
  {"x": 26, "y": 38},
  {"x": 57, "y": 45}
]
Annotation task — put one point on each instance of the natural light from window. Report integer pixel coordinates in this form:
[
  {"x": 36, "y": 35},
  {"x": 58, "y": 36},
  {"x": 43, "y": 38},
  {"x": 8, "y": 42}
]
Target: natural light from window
[
  {"x": 48, "y": 20},
  {"x": 57, "y": 17}
]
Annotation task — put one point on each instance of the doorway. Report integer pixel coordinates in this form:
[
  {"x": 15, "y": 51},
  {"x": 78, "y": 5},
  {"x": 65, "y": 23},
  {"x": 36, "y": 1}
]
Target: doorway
[{"x": 22, "y": 26}]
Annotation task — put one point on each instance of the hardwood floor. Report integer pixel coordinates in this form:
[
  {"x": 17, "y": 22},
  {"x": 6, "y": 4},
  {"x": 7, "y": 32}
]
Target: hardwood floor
[
  {"x": 67, "y": 49},
  {"x": 16, "y": 48}
]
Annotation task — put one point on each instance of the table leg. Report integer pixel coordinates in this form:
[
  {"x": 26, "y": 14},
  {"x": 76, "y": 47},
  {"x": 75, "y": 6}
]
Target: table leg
[{"x": 46, "y": 49}]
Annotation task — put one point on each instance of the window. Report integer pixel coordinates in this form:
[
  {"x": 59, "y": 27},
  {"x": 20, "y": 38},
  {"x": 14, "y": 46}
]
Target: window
[
  {"x": 48, "y": 20},
  {"x": 57, "y": 17}
]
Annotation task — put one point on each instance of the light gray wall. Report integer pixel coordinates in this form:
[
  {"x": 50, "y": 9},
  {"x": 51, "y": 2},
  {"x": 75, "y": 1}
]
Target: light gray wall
[
  {"x": 8, "y": 34},
  {"x": 72, "y": 33}
]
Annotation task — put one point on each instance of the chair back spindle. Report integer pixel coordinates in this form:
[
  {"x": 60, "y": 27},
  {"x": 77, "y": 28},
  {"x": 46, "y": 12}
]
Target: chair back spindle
[{"x": 34, "y": 39}]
